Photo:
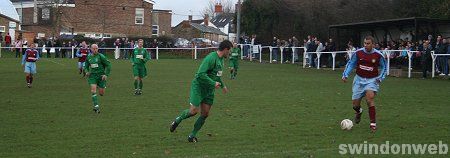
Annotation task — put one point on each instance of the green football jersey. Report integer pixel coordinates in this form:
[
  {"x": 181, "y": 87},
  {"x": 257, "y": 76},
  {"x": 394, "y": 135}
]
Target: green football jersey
[
  {"x": 234, "y": 53},
  {"x": 210, "y": 71},
  {"x": 139, "y": 56},
  {"x": 97, "y": 64}
]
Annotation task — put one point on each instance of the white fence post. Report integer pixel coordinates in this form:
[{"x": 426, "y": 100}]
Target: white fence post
[
  {"x": 433, "y": 57},
  {"x": 0, "y": 50},
  {"x": 334, "y": 60},
  {"x": 73, "y": 51},
  {"x": 270, "y": 55},
  {"x": 318, "y": 59},
  {"x": 250, "y": 55},
  {"x": 195, "y": 52},
  {"x": 242, "y": 51},
  {"x": 304, "y": 57},
  {"x": 260, "y": 53},
  {"x": 281, "y": 52},
  {"x": 157, "y": 52},
  {"x": 388, "y": 66},
  {"x": 293, "y": 56},
  {"x": 409, "y": 63}
]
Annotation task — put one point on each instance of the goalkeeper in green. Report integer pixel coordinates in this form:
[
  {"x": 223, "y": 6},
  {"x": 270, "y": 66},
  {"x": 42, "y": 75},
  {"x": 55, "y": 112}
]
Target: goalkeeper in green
[{"x": 206, "y": 80}]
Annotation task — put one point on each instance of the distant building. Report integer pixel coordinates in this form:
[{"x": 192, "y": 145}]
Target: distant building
[
  {"x": 9, "y": 20},
  {"x": 190, "y": 29},
  {"x": 96, "y": 19},
  {"x": 162, "y": 21}
]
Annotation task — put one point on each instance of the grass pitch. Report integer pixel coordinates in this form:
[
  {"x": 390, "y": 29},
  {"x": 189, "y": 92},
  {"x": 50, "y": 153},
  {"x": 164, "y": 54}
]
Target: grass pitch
[{"x": 272, "y": 110}]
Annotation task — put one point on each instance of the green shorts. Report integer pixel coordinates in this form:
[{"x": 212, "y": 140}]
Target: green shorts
[
  {"x": 233, "y": 64},
  {"x": 140, "y": 71},
  {"x": 96, "y": 79},
  {"x": 201, "y": 95}
]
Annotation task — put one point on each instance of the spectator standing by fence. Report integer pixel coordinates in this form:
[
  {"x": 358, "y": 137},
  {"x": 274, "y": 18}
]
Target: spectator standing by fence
[
  {"x": 18, "y": 47},
  {"x": 275, "y": 49},
  {"x": 439, "y": 48},
  {"x": 117, "y": 45},
  {"x": 426, "y": 58},
  {"x": 8, "y": 40},
  {"x": 102, "y": 46}
]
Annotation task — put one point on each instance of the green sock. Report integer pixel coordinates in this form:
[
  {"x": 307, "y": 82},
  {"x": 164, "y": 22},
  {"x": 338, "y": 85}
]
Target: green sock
[
  {"x": 141, "y": 84},
  {"x": 184, "y": 115},
  {"x": 94, "y": 99},
  {"x": 198, "y": 125},
  {"x": 135, "y": 84}
]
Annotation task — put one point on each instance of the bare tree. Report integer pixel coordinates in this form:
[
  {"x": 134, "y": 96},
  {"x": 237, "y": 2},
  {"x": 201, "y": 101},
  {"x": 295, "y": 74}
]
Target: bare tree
[{"x": 227, "y": 7}]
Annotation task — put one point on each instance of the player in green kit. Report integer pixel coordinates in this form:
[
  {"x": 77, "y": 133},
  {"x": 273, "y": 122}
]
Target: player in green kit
[
  {"x": 234, "y": 64},
  {"x": 97, "y": 68},
  {"x": 138, "y": 59},
  {"x": 206, "y": 80}
]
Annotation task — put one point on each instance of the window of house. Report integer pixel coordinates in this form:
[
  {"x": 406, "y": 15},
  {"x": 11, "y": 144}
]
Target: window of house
[
  {"x": 45, "y": 14},
  {"x": 2, "y": 28},
  {"x": 139, "y": 18},
  {"x": 155, "y": 30}
]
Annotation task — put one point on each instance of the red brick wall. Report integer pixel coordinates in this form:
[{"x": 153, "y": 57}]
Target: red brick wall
[
  {"x": 115, "y": 17},
  {"x": 164, "y": 22}
]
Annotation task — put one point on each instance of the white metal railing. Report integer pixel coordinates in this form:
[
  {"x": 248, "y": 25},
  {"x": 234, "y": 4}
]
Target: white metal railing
[
  {"x": 257, "y": 49},
  {"x": 117, "y": 50}
]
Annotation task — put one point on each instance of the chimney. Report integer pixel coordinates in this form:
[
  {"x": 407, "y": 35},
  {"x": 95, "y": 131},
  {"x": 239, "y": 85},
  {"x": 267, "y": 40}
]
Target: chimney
[
  {"x": 206, "y": 20},
  {"x": 218, "y": 8},
  {"x": 190, "y": 18}
]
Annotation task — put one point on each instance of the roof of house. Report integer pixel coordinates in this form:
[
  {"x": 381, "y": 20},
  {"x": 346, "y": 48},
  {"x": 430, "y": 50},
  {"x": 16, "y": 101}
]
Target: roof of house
[
  {"x": 207, "y": 29},
  {"x": 221, "y": 20},
  {"x": 7, "y": 9}
]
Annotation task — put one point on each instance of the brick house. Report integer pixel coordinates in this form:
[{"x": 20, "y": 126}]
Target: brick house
[
  {"x": 9, "y": 20},
  {"x": 95, "y": 19},
  {"x": 190, "y": 29},
  {"x": 162, "y": 20}
]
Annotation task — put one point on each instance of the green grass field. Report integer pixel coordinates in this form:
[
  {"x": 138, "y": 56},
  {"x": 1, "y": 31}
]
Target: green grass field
[{"x": 272, "y": 110}]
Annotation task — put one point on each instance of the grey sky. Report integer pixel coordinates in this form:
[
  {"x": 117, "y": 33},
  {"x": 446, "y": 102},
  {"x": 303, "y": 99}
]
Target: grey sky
[{"x": 182, "y": 8}]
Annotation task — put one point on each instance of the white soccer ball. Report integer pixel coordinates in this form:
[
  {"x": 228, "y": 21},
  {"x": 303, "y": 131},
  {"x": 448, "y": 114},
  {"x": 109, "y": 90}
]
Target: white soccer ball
[{"x": 346, "y": 124}]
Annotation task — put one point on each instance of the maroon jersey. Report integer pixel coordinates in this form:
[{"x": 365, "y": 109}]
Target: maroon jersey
[
  {"x": 368, "y": 63},
  {"x": 83, "y": 53},
  {"x": 31, "y": 55}
]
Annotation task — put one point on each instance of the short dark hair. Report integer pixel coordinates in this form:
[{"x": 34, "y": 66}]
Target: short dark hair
[
  {"x": 370, "y": 38},
  {"x": 225, "y": 44}
]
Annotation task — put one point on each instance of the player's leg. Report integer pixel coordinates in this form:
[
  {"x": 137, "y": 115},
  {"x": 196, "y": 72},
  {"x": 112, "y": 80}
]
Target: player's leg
[
  {"x": 236, "y": 67},
  {"x": 136, "y": 84},
  {"x": 358, "y": 110},
  {"x": 141, "y": 84},
  {"x": 357, "y": 93},
  {"x": 94, "y": 98},
  {"x": 370, "y": 96},
  {"x": 205, "y": 108},
  {"x": 101, "y": 87},
  {"x": 195, "y": 100}
]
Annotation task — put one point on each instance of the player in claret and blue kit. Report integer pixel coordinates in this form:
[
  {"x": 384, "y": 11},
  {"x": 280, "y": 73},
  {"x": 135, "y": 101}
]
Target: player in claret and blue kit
[
  {"x": 370, "y": 68},
  {"x": 29, "y": 62}
]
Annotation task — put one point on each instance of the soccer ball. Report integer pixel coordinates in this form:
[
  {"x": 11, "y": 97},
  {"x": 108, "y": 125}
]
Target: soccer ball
[{"x": 346, "y": 124}]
